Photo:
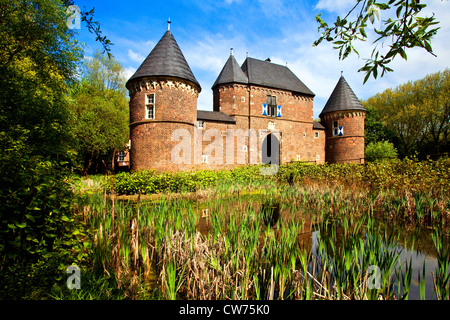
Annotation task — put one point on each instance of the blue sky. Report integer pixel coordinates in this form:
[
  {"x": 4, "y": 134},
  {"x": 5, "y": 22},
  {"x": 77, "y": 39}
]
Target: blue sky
[{"x": 282, "y": 30}]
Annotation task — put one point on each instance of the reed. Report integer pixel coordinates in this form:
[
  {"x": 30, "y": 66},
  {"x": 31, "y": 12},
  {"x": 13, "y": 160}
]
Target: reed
[
  {"x": 253, "y": 246},
  {"x": 441, "y": 277}
]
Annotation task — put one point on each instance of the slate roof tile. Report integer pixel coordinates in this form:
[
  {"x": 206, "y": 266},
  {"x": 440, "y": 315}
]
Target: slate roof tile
[
  {"x": 342, "y": 99},
  {"x": 214, "y": 116},
  {"x": 166, "y": 59},
  {"x": 267, "y": 74}
]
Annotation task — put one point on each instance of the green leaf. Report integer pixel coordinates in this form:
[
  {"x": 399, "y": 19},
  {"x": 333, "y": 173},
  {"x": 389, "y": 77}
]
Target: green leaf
[
  {"x": 363, "y": 32},
  {"x": 366, "y": 77},
  {"x": 402, "y": 53},
  {"x": 29, "y": 216},
  {"x": 21, "y": 225}
]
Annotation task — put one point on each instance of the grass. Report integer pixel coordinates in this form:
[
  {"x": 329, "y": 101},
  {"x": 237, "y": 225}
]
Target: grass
[{"x": 256, "y": 240}]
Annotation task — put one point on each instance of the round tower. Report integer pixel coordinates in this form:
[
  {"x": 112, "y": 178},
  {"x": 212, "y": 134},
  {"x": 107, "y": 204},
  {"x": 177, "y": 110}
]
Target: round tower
[
  {"x": 163, "y": 98},
  {"x": 343, "y": 117}
]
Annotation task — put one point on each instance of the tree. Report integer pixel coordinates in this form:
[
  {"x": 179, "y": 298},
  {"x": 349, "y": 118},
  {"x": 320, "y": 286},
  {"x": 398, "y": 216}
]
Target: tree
[
  {"x": 380, "y": 150},
  {"x": 405, "y": 30},
  {"x": 418, "y": 113},
  {"x": 376, "y": 130},
  {"x": 38, "y": 55},
  {"x": 100, "y": 113},
  {"x": 435, "y": 89}
]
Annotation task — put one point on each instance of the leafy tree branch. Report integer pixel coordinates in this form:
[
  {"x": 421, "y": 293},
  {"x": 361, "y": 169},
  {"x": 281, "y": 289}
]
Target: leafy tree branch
[{"x": 406, "y": 30}]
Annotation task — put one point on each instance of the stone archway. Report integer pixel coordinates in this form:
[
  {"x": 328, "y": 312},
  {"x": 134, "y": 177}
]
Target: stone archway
[{"x": 271, "y": 150}]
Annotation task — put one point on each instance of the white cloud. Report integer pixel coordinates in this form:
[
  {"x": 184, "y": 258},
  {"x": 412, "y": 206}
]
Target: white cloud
[
  {"x": 128, "y": 72},
  {"x": 334, "y": 5},
  {"x": 136, "y": 57}
]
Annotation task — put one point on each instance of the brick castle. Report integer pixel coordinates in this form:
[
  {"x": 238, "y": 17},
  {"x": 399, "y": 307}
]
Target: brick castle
[{"x": 262, "y": 113}]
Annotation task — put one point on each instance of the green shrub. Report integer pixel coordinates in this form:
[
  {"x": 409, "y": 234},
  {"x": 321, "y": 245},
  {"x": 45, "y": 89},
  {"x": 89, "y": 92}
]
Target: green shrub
[
  {"x": 151, "y": 181},
  {"x": 380, "y": 150}
]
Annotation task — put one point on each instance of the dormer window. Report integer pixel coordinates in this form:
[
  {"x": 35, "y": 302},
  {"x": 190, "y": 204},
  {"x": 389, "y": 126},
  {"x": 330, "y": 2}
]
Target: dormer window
[{"x": 150, "y": 106}]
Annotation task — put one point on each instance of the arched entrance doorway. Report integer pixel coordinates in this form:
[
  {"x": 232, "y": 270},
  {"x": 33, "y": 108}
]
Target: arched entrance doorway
[{"x": 271, "y": 150}]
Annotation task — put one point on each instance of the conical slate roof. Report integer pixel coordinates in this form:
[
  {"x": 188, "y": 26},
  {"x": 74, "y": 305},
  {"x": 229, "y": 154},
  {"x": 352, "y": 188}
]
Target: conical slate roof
[
  {"x": 166, "y": 59},
  {"x": 231, "y": 73},
  {"x": 342, "y": 99}
]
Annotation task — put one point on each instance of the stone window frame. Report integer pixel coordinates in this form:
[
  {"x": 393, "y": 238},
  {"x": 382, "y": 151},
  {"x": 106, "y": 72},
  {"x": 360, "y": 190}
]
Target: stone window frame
[
  {"x": 200, "y": 124},
  {"x": 316, "y": 134},
  {"x": 150, "y": 106},
  {"x": 205, "y": 158},
  {"x": 121, "y": 156}
]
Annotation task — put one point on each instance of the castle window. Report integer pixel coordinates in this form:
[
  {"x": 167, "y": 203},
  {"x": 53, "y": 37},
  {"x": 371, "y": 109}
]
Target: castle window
[
  {"x": 317, "y": 157},
  {"x": 316, "y": 134},
  {"x": 200, "y": 125},
  {"x": 242, "y": 99},
  {"x": 121, "y": 156},
  {"x": 204, "y": 158},
  {"x": 271, "y": 106},
  {"x": 335, "y": 128},
  {"x": 298, "y": 157},
  {"x": 150, "y": 106},
  {"x": 337, "y": 131}
]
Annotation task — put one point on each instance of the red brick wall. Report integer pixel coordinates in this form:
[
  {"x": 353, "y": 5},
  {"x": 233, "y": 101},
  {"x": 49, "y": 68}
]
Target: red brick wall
[
  {"x": 175, "y": 108},
  {"x": 295, "y": 122},
  {"x": 350, "y": 146},
  {"x": 175, "y": 100}
]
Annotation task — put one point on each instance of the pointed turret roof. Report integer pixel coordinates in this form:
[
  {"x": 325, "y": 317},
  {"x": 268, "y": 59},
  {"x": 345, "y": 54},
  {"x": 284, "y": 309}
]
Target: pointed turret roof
[
  {"x": 342, "y": 99},
  {"x": 231, "y": 73},
  {"x": 166, "y": 59}
]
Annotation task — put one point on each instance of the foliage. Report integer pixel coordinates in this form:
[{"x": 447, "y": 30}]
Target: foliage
[
  {"x": 376, "y": 130},
  {"x": 151, "y": 181},
  {"x": 99, "y": 110},
  {"x": 380, "y": 150},
  {"x": 406, "y": 174},
  {"x": 40, "y": 235},
  {"x": 407, "y": 29},
  {"x": 417, "y": 112},
  {"x": 38, "y": 54}
]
